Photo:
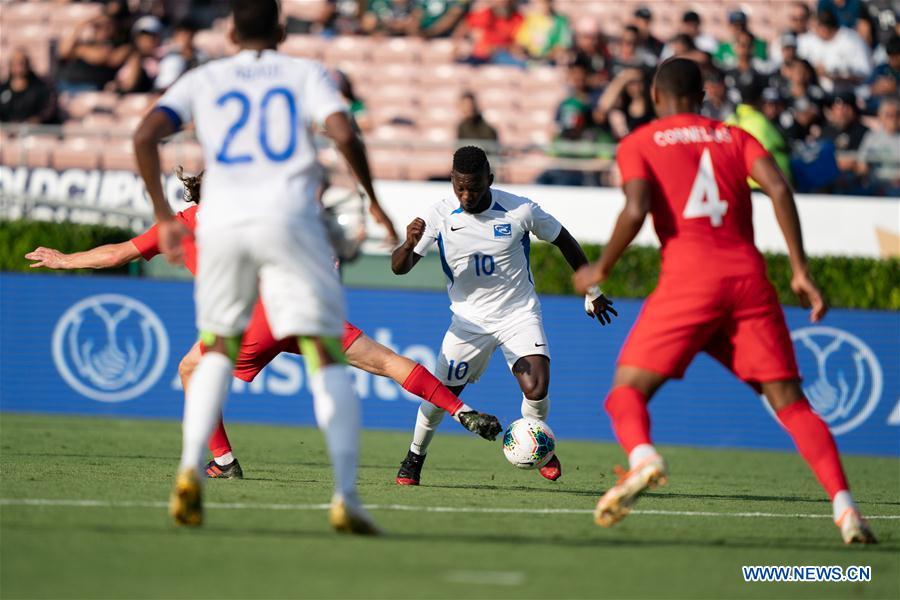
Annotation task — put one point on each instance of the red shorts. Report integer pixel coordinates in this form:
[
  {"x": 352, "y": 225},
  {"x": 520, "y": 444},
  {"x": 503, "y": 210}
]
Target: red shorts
[
  {"x": 259, "y": 348},
  {"x": 737, "y": 320}
]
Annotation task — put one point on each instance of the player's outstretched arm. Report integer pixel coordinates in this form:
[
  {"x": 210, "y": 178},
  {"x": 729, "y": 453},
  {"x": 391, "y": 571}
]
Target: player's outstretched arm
[
  {"x": 101, "y": 257},
  {"x": 595, "y": 303},
  {"x": 772, "y": 182},
  {"x": 153, "y": 129},
  {"x": 403, "y": 258},
  {"x": 339, "y": 128},
  {"x": 628, "y": 225}
]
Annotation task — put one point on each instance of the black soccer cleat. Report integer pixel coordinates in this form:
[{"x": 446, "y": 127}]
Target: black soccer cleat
[
  {"x": 485, "y": 425},
  {"x": 230, "y": 471},
  {"x": 410, "y": 469}
]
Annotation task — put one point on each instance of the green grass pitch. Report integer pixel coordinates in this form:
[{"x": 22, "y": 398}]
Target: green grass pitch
[{"x": 124, "y": 546}]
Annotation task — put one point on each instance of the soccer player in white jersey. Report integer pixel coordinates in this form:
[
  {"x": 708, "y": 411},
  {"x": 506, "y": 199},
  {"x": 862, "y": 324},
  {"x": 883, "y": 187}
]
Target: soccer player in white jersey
[
  {"x": 262, "y": 234},
  {"x": 483, "y": 239}
]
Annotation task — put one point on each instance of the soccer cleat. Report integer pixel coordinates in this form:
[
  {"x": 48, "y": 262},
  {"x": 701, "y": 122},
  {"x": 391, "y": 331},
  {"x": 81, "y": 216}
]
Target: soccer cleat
[
  {"x": 185, "y": 502},
  {"x": 230, "y": 471},
  {"x": 617, "y": 502},
  {"x": 410, "y": 469},
  {"x": 350, "y": 517},
  {"x": 552, "y": 470},
  {"x": 485, "y": 425},
  {"x": 855, "y": 529}
]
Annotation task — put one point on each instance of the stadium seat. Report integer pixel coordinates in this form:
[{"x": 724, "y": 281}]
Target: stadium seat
[
  {"x": 78, "y": 153},
  {"x": 304, "y": 46},
  {"x": 134, "y": 104},
  {"x": 38, "y": 149},
  {"x": 71, "y": 14},
  {"x": 187, "y": 154},
  {"x": 438, "y": 52},
  {"x": 347, "y": 47},
  {"x": 389, "y": 163},
  {"x": 118, "y": 155},
  {"x": 431, "y": 164},
  {"x": 304, "y": 10},
  {"x": 78, "y": 105},
  {"x": 524, "y": 168},
  {"x": 397, "y": 51}
]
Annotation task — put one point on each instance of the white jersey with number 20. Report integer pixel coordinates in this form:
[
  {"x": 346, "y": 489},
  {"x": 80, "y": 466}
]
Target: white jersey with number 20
[
  {"x": 485, "y": 256},
  {"x": 254, "y": 113}
]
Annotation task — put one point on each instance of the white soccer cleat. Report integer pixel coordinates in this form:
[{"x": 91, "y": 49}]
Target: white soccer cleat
[
  {"x": 617, "y": 502},
  {"x": 348, "y": 516},
  {"x": 855, "y": 529}
]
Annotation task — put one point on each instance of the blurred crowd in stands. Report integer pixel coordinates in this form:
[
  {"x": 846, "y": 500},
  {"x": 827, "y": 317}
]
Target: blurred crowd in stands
[{"x": 820, "y": 92}]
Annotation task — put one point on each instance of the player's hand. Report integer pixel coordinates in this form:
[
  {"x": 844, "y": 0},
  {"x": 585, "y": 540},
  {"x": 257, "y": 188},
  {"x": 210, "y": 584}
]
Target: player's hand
[
  {"x": 47, "y": 258},
  {"x": 587, "y": 276},
  {"x": 414, "y": 232},
  {"x": 599, "y": 307},
  {"x": 809, "y": 295},
  {"x": 171, "y": 233},
  {"x": 382, "y": 219}
]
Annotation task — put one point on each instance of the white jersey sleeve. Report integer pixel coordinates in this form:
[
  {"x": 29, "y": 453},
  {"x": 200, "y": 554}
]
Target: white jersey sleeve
[
  {"x": 323, "y": 96},
  {"x": 432, "y": 231},
  {"x": 540, "y": 223},
  {"x": 178, "y": 100}
]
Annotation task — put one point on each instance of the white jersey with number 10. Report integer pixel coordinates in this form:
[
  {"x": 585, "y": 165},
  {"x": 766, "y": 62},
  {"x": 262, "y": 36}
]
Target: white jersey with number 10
[
  {"x": 254, "y": 114},
  {"x": 485, "y": 256}
]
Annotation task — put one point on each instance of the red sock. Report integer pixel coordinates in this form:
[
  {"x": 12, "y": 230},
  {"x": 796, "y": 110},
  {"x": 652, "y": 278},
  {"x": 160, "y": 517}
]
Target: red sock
[
  {"x": 218, "y": 441},
  {"x": 815, "y": 444},
  {"x": 627, "y": 408},
  {"x": 426, "y": 386}
]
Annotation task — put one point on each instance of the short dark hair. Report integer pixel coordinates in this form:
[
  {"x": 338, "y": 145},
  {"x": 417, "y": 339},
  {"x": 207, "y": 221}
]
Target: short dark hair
[
  {"x": 892, "y": 46},
  {"x": 679, "y": 77},
  {"x": 690, "y": 16},
  {"x": 187, "y": 24},
  {"x": 827, "y": 18},
  {"x": 255, "y": 19},
  {"x": 470, "y": 160}
]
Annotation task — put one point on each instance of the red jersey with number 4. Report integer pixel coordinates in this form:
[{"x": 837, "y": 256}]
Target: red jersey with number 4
[
  {"x": 148, "y": 242},
  {"x": 700, "y": 201}
]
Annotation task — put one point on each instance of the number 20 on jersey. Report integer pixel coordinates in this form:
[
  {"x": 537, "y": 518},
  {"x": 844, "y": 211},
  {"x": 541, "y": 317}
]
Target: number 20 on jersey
[{"x": 267, "y": 106}]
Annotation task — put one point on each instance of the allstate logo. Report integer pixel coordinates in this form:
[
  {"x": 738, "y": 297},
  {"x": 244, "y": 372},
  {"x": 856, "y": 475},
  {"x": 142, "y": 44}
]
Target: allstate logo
[
  {"x": 110, "y": 348},
  {"x": 842, "y": 376}
]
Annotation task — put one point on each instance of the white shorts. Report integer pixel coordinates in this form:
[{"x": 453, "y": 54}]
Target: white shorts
[
  {"x": 466, "y": 351},
  {"x": 290, "y": 267}
]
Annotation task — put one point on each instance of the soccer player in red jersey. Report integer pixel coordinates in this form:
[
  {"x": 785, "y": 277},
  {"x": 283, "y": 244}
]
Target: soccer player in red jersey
[
  {"x": 713, "y": 295},
  {"x": 259, "y": 347}
]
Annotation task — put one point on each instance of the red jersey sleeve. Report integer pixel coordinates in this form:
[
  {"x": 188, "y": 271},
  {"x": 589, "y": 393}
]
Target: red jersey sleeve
[
  {"x": 147, "y": 243},
  {"x": 630, "y": 161},
  {"x": 751, "y": 149}
]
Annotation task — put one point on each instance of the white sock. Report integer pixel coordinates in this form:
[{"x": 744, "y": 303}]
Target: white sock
[
  {"x": 536, "y": 409},
  {"x": 640, "y": 453},
  {"x": 225, "y": 459},
  {"x": 338, "y": 415},
  {"x": 427, "y": 421},
  {"x": 842, "y": 501},
  {"x": 462, "y": 409},
  {"x": 203, "y": 405}
]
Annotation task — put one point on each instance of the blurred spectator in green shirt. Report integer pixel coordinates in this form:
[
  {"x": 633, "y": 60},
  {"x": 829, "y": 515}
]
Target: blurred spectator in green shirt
[
  {"x": 750, "y": 118},
  {"x": 438, "y": 18}
]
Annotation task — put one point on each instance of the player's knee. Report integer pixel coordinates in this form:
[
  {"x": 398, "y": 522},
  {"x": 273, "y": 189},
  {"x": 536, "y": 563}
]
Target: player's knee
[
  {"x": 535, "y": 388},
  {"x": 187, "y": 365}
]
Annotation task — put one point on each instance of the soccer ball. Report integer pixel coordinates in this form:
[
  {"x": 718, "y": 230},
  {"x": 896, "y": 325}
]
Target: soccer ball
[{"x": 529, "y": 443}]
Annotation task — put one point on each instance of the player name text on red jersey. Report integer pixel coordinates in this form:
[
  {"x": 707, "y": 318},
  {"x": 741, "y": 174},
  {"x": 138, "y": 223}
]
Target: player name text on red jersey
[{"x": 692, "y": 135}]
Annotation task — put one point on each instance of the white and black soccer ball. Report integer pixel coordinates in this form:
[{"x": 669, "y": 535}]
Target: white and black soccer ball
[{"x": 529, "y": 443}]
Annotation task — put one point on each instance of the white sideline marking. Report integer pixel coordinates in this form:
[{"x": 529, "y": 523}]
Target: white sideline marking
[
  {"x": 409, "y": 508},
  {"x": 486, "y": 577}
]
